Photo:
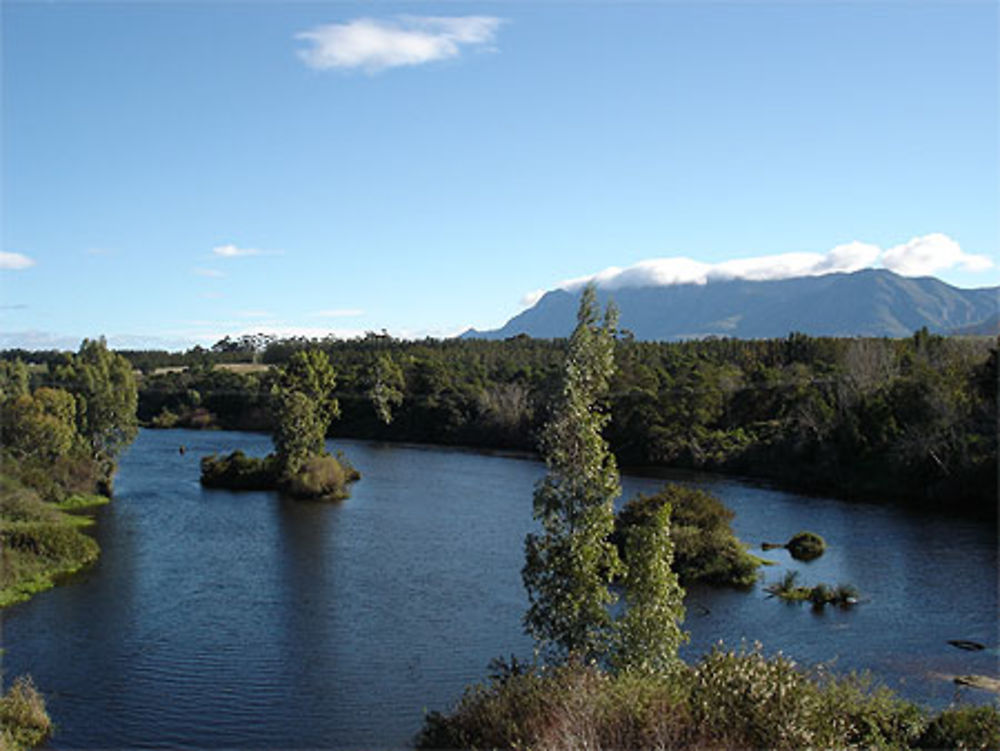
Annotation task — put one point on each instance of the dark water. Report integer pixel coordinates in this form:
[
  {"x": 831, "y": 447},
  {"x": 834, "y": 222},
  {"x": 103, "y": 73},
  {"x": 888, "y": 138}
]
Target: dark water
[{"x": 218, "y": 620}]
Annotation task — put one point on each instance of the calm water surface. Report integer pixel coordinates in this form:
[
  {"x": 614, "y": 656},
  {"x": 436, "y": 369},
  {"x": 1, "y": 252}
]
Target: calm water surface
[{"x": 224, "y": 620}]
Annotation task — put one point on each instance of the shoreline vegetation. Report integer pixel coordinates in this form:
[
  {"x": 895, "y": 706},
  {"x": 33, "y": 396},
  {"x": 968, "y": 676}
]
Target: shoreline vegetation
[
  {"x": 912, "y": 421},
  {"x": 607, "y": 678},
  {"x": 61, "y": 432},
  {"x": 59, "y": 443}
]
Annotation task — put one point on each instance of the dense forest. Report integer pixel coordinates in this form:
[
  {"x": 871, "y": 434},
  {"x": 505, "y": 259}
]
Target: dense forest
[{"x": 913, "y": 419}]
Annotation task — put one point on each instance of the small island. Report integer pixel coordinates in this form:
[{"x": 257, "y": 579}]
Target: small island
[{"x": 300, "y": 466}]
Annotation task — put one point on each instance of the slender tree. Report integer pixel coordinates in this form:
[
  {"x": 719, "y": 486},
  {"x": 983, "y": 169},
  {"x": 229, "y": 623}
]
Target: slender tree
[
  {"x": 387, "y": 384},
  {"x": 570, "y": 565},
  {"x": 648, "y": 633}
]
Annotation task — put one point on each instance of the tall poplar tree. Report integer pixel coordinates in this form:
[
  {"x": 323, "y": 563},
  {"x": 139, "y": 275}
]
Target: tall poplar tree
[{"x": 570, "y": 565}]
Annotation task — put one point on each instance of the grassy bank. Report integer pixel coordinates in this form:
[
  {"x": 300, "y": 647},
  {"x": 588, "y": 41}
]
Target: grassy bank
[
  {"x": 729, "y": 700},
  {"x": 41, "y": 542}
]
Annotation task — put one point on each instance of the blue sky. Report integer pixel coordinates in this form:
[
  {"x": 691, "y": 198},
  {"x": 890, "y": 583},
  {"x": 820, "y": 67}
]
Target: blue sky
[{"x": 175, "y": 172}]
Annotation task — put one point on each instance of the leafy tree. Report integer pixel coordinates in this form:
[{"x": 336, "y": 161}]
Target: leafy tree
[
  {"x": 40, "y": 425},
  {"x": 14, "y": 378},
  {"x": 570, "y": 565},
  {"x": 305, "y": 408},
  {"x": 648, "y": 633},
  {"x": 387, "y": 386},
  {"x": 104, "y": 386}
]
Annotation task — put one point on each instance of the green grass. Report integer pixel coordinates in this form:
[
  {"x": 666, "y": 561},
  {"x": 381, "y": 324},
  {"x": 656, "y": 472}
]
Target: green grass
[
  {"x": 39, "y": 542},
  {"x": 79, "y": 501}
]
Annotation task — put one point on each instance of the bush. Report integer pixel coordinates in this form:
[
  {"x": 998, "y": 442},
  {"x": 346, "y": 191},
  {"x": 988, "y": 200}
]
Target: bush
[
  {"x": 963, "y": 728},
  {"x": 806, "y": 546},
  {"x": 237, "y": 471},
  {"x": 320, "y": 477},
  {"x": 23, "y": 718}
]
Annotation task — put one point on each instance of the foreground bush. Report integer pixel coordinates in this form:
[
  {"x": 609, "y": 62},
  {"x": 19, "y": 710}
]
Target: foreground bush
[
  {"x": 729, "y": 700},
  {"x": 24, "y": 723},
  {"x": 705, "y": 548}
]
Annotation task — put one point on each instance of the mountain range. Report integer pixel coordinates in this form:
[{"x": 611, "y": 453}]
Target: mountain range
[{"x": 871, "y": 302}]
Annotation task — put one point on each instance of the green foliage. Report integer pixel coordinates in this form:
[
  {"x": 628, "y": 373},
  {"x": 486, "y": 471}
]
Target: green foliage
[
  {"x": 806, "y": 546},
  {"x": 570, "y": 565},
  {"x": 964, "y": 728},
  {"x": 24, "y": 722},
  {"x": 320, "y": 477},
  {"x": 41, "y": 425},
  {"x": 305, "y": 407},
  {"x": 38, "y": 542},
  {"x": 237, "y": 471},
  {"x": 648, "y": 633},
  {"x": 387, "y": 384},
  {"x": 909, "y": 419},
  {"x": 729, "y": 700},
  {"x": 14, "y": 379},
  {"x": 104, "y": 387},
  {"x": 705, "y": 548}
]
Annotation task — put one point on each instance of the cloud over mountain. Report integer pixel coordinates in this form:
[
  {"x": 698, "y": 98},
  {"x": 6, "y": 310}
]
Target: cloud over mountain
[{"x": 920, "y": 256}]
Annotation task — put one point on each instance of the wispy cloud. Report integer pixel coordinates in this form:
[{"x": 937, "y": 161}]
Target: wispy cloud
[
  {"x": 374, "y": 45},
  {"x": 211, "y": 273},
  {"x": 920, "y": 256},
  {"x": 233, "y": 251},
  {"x": 15, "y": 261},
  {"x": 339, "y": 313}
]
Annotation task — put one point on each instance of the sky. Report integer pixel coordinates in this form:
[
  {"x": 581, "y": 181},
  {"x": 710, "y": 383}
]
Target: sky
[{"x": 175, "y": 172}]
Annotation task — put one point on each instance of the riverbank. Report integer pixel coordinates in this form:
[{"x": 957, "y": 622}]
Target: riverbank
[{"x": 41, "y": 541}]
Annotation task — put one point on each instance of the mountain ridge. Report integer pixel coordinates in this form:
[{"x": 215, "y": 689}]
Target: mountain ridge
[{"x": 870, "y": 302}]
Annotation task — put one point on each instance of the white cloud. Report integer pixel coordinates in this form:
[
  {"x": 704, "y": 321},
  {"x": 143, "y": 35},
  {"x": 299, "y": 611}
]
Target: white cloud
[
  {"x": 532, "y": 297},
  {"x": 254, "y": 314},
  {"x": 339, "y": 313},
  {"x": 374, "y": 45},
  {"x": 15, "y": 261},
  {"x": 920, "y": 256},
  {"x": 211, "y": 273},
  {"x": 232, "y": 251}
]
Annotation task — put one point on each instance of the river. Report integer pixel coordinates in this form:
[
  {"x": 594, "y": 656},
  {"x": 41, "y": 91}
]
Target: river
[{"x": 241, "y": 620}]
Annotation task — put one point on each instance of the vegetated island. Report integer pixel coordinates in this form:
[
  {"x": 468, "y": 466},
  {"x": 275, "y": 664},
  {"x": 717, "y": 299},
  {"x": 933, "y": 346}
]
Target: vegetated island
[
  {"x": 304, "y": 407},
  {"x": 616, "y": 681}
]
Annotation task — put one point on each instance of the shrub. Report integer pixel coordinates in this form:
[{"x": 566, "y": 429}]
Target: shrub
[
  {"x": 806, "y": 546},
  {"x": 237, "y": 471},
  {"x": 23, "y": 718},
  {"x": 319, "y": 477},
  {"x": 963, "y": 728}
]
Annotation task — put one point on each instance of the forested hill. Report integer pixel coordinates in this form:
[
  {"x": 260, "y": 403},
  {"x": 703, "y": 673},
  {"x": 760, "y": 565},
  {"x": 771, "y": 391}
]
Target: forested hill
[
  {"x": 872, "y": 302},
  {"x": 912, "y": 419}
]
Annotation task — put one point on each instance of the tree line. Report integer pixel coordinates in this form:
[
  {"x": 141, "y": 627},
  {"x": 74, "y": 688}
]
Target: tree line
[{"x": 911, "y": 418}]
